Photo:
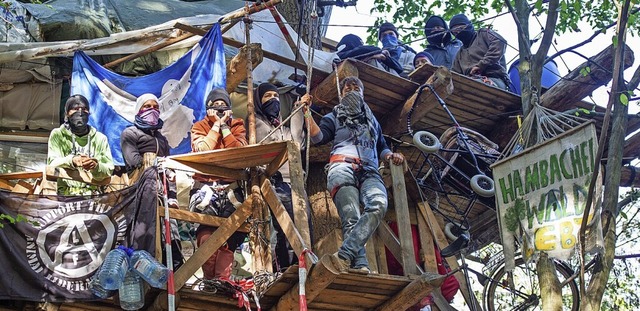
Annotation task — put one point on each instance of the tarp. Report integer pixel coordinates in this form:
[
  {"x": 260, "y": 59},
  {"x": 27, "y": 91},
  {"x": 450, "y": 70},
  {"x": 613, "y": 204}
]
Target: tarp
[
  {"x": 53, "y": 255},
  {"x": 181, "y": 89}
]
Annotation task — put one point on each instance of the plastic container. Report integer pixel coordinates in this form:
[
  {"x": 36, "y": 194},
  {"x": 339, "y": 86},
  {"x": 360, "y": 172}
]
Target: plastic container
[
  {"x": 97, "y": 289},
  {"x": 550, "y": 75},
  {"x": 131, "y": 292},
  {"x": 114, "y": 268},
  {"x": 149, "y": 269}
]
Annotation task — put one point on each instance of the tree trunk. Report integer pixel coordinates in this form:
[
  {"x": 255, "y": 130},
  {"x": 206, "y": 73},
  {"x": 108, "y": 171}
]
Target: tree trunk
[
  {"x": 292, "y": 11},
  {"x": 593, "y": 298},
  {"x": 550, "y": 290}
]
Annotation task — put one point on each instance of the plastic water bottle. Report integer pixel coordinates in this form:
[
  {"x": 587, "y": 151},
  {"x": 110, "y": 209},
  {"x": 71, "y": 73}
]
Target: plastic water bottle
[
  {"x": 114, "y": 268},
  {"x": 97, "y": 289},
  {"x": 147, "y": 267},
  {"x": 131, "y": 292}
]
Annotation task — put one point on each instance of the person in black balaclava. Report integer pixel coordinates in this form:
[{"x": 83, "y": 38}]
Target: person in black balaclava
[
  {"x": 482, "y": 54},
  {"x": 441, "y": 44},
  {"x": 388, "y": 36},
  {"x": 77, "y": 145},
  {"x": 267, "y": 112},
  {"x": 351, "y": 46}
]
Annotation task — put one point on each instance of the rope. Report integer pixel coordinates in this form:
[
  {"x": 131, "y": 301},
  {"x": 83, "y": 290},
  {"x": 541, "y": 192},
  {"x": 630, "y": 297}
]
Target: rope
[{"x": 313, "y": 27}]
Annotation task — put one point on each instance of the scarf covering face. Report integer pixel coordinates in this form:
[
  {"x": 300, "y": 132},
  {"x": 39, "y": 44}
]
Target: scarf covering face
[
  {"x": 391, "y": 44},
  {"x": 148, "y": 119},
  {"x": 78, "y": 123},
  {"x": 468, "y": 34},
  {"x": 271, "y": 108},
  {"x": 352, "y": 110},
  {"x": 143, "y": 99}
]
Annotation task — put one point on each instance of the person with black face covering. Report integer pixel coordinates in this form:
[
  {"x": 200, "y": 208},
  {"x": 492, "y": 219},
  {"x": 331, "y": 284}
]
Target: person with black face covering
[
  {"x": 267, "y": 113},
  {"x": 441, "y": 44},
  {"x": 352, "y": 175},
  {"x": 388, "y": 35},
  {"x": 77, "y": 145},
  {"x": 482, "y": 54}
]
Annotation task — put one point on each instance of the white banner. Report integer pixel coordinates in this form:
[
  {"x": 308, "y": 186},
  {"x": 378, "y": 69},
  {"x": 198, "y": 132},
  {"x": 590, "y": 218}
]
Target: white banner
[{"x": 541, "y": 196}]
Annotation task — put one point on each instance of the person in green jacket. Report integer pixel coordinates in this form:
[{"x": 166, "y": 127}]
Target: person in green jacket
[{"x": 77, "y": 145}]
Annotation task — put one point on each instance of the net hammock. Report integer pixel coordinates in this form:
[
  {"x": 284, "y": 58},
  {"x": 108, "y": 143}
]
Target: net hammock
[{"x": 541, "y": 124}]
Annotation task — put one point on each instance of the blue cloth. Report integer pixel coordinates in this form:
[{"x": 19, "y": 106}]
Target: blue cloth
[
  {"x": 354, "y": 186},
  {"x": 181, "y": 88}
]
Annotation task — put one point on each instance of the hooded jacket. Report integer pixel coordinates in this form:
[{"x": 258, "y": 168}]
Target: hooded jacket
[
  {"x": 61, "y": 151},
  {"x": 135, "y": 142},
  {"x": 485, "y": 51},
  {"x": 443, "y": 54}
]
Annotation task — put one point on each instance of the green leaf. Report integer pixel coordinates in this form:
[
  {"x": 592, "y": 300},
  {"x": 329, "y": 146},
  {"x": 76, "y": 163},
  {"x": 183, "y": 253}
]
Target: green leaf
[
  {"x": 615, "y": 41},
  {"x": 624, "y": 215},
  {"x": 624, "y": 100}
]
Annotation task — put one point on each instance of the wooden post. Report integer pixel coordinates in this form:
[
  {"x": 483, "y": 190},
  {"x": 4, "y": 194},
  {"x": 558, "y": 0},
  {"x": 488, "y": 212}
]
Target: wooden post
[
  {"x": 277, "y": 209},
  {"x": 321, "y": 275},
  {"x": 237, "y": 67},
  {"x": 298, "y": 194},
  {"x": 200, "y": 256},
  {"x": 251, "y": 117},
  {"x": 426, "y": 243},
  {"x": 260, "y": 234},
  {"x": 411, "y": 294},
  {"x": 401, "y": 204},
  {"x": 441, "y": 241}
]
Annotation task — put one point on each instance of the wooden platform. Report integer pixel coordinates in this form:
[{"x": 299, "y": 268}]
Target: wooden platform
[{"x": 329, "y": 289}]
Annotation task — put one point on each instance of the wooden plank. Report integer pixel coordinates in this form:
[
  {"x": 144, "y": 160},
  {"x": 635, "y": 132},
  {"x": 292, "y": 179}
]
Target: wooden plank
[
  {"x": 441, "y": 242},
  {"x": 401, "y": 204},
  {"x": 426, "y": 243},
  {"x": 200, "y": 256},
  {"x": 195, "y": 217},
  {"x": 346, "y": 298},
  {"x": 411, "y": 294},
  {"x": 237, "y": 67},
  {"x": 298, "y": 194},
  {"x": 235, "y": 158},
  {"x": 6, "y": 185},
  {"x": 53, "y": 173},
  {"x": 207, "y": 169},
  {"x": 320, "y": 276},
  {"x": 276, "y": 163},
  {"x": 385, "y": 233},
  {"x": 370, "y": 251},
  {"x": 20, "y": 175},
  {"x": 381, "y": 255},
  {"x": 277, "y": 209}
]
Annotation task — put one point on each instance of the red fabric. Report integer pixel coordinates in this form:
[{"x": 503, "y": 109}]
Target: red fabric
[
  {"x": 450, "y": 285},
  {"x": 219, "y": 265}
]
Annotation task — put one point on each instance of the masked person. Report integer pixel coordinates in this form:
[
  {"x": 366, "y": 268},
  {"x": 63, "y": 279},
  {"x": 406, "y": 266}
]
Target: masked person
[
  {"x": 351, "y": 46},
  {"x": 388, "y": 35},
  {"x": 218, "y": 130},
  {"x": 267, "y": 112},
  {"x": 353, "y": 175},
  {"x": 77, "y": 145},
  {"x": 482, "y": 54},
  {"x": 144, "y": 137},
  {"x": 441, "y": 44}
]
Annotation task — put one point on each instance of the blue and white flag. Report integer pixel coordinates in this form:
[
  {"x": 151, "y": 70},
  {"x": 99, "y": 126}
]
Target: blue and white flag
[{"x": 181, "y": 88}]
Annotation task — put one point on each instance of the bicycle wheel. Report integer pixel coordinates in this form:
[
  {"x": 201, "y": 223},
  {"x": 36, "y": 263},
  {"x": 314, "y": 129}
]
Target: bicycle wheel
[{"x": 526, "y": 296}]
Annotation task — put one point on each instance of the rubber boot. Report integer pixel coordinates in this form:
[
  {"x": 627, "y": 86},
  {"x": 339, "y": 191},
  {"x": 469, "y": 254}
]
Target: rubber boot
[{"x": 224, "y": 264}]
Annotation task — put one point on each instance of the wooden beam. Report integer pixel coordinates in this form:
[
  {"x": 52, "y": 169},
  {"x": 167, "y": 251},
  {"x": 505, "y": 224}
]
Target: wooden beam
[
  {"x": 426, "y": 244},
  {"x": 389, "y": 239},
  {"x": 279, "y": 212},
  {"x": 441, "y": 242},
  {"x": 320, "y": 277},
  {"x": 271, "y": 55},
  {"x": 276, "y": 163},
  {"x": 206, "y": 169},
  {"x": 395, "y": 123},
  {"x": 262, "y": 259},
  {"x": 241, "y": 12},
  {"x": 20, "y": 175},
  {"x": 217, "y": 238},
  {"x": 298, "y": 193},
  {"x": 327, "y": 90},
  {"x": 53, "y": 173},
  {"x": 401, "y": 205},
  {"x": 415, "y": 291},
  {"x": 575, "y": 86},
  {"x": 195, "y": 217},
  {"x": 237, "y": 67}
]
